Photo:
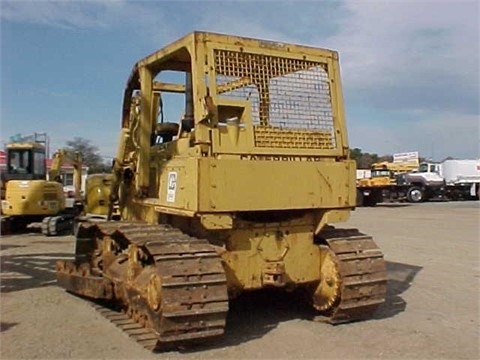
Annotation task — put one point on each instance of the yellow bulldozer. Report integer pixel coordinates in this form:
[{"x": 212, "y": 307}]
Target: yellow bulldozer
[{"x": 237, "y": 193}]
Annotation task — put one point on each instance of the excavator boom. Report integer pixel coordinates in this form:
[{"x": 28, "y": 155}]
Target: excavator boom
[{"x": 53, "y": 225}]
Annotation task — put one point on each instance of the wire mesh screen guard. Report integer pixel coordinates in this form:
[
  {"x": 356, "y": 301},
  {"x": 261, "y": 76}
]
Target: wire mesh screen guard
[{"x": 290, "y": 98}]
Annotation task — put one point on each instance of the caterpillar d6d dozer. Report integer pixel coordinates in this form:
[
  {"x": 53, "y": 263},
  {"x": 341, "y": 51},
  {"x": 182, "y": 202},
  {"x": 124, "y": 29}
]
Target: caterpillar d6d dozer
[{"x": 237, "y": 195}]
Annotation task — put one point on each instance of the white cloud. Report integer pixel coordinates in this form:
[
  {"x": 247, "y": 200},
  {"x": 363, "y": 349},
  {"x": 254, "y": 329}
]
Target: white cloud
[
  {"x": 77, "y": 14},
  {"x": 57, "y": 13},
  {"x": 431, "y": 45},
  {"x": 418, "y": 58}
]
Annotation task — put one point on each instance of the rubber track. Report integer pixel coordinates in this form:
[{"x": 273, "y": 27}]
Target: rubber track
[
  {"x": 194, "y": 287},
  {"x": 59, "y": 224},
  {"x": 363, "y": 272}
]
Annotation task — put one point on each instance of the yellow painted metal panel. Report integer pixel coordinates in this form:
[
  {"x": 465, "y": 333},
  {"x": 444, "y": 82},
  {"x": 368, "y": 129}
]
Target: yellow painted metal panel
[
  {"x": 251, "y": 250},
  {"x": 243, "y": 185},
  {"x": 33, "y": 197},
  {"x": 178, "y": 185}
]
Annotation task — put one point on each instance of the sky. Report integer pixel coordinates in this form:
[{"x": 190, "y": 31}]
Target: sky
[{"x": 410, "y": 69}]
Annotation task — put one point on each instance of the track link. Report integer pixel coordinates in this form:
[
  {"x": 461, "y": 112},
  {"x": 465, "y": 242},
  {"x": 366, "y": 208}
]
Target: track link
[
  {"x": 362, "y": 271},
  {"x": 148, "y": 338},
  {"x": 187, "y": 272}
]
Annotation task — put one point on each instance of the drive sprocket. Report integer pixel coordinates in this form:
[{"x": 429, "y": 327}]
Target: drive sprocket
[
  {"x": 353, "y": 276},
  {"x": 327, "y": 293}
]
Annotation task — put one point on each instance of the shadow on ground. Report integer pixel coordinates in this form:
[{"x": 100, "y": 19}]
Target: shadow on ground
[
  {"x": 34, "y": 228},
  {"x": 27, "y": 271},
  {"x": 393, "y": 204},
  {"x": 400, "y": 278},
  {"x": 4, "y": 326},
  {"x": 9, "y": 246},
  {"x": 251, "y": 316},
  {"x": 254, "y": 314}
]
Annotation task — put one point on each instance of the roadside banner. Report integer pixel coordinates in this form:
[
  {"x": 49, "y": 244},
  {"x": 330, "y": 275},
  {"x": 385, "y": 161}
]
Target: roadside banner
[{"x": 406, "y": 157}]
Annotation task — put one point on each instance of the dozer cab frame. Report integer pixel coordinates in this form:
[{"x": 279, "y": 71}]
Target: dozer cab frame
[{"x": 235, "y": 196}]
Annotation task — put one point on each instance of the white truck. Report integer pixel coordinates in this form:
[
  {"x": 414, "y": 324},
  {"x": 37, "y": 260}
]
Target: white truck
[{"x": 462, "y": 177}]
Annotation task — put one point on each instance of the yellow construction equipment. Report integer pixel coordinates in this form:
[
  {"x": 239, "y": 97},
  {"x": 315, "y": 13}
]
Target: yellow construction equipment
[
  {"x": 29, "y": 196},
  {"x": 63, "y": 220},
  {"x": 237, "y": 195},
  {"x": 97, "y": 196},
  {"x": 372, "y": 190},
  {"x": 391, "y": 181},
  {"x": 384, "y": 173}
]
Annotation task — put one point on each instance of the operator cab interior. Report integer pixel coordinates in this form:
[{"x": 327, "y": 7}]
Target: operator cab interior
[{"x": 25, "y": 164}]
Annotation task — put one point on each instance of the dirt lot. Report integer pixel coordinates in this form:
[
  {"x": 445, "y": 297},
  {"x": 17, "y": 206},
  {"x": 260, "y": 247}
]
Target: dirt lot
[{"x": 431, "y": 311}]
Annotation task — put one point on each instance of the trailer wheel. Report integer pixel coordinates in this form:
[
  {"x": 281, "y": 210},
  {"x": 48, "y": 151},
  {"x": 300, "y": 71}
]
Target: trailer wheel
[{"x": 415, "y": 195}]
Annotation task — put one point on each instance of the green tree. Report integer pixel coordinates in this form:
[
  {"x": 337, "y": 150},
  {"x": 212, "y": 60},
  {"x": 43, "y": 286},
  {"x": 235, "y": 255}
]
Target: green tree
[
  {"x": 364, "y": 160},
  {"x": 90, "y": 154},
  {"x": 355, "y": 154},
  {"x": 388, "y": 158}
]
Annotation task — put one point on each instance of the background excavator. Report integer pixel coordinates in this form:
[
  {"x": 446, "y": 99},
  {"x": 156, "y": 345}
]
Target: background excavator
[
  {"x": 25, "y": 198},
  {"x": 73, "y": 203},
  {"x": 29, "y": 196}
]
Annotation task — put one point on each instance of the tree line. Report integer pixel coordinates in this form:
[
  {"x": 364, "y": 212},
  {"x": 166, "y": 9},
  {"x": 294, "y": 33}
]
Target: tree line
[
  {"x": 366, "y": 160},
  {"x": 90, "y": 155}
]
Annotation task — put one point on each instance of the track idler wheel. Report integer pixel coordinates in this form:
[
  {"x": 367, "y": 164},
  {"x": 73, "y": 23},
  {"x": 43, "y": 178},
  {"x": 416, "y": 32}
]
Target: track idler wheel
[{"x": 327, "y": 293}]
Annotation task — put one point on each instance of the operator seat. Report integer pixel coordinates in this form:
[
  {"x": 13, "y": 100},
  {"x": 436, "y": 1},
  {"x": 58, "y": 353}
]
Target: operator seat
[{"x": 164, "y": 132}]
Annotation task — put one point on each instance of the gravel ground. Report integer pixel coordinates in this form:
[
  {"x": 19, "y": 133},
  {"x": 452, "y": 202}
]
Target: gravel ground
[{"x": 431, "y": 310}]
